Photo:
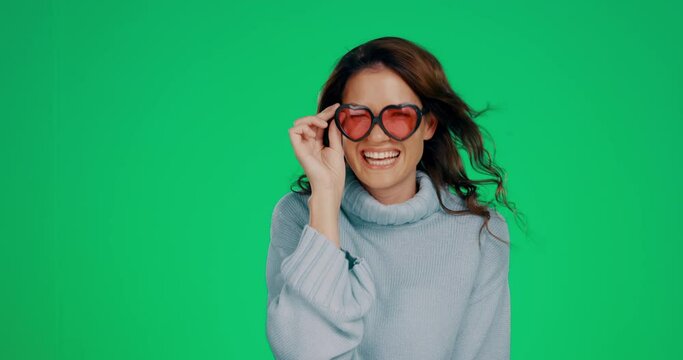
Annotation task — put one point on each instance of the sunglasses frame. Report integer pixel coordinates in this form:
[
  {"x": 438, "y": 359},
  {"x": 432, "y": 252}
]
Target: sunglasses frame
[{"x": 378, "y": 119}]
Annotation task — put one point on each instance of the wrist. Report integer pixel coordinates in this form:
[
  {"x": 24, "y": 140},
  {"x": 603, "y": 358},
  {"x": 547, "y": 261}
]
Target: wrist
[
  {"x": 326, "y": 201},
  {"x": 324, "y": 217}
]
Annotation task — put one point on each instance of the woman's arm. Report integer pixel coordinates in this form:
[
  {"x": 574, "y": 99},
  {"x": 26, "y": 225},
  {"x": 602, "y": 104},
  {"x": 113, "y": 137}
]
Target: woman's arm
[
  {"x": 484, "y": 333},
  {"x": 316, "y": 304}
]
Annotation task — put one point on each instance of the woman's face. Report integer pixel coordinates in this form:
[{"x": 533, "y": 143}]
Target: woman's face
[{"x": 377, "y": 88}]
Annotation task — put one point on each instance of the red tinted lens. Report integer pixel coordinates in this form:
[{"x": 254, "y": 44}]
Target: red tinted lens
[
  {"x": 355, "y": 122},
  {"x": 400, "y": 122}
]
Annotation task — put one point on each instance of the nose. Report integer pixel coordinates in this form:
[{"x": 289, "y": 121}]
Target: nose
[{"x": 377, "y": 134}]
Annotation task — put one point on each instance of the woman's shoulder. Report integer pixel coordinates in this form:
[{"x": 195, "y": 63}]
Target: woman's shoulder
[
  {"x": 496, "y": 224},
  {"x": 453, "y": 201},
  {"x": 292, "y": 205},
  {"x": 494, "y": 262},
  {"x": 290, "y": 215}
]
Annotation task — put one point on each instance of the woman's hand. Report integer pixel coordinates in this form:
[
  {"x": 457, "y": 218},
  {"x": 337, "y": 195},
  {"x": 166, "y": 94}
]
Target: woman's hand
[{"x": 324, "y": 166}]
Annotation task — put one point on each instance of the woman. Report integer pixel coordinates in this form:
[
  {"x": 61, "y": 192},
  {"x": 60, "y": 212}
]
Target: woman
[{"x": 376, "y": 258}]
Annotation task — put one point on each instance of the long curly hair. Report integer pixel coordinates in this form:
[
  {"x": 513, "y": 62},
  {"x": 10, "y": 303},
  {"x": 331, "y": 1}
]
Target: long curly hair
[{"x": 456, "y": 127}]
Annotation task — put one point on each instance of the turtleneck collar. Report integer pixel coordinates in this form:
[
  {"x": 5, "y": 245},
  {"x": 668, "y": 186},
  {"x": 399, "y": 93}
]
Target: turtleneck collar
[{"x": 361, "y": 205}]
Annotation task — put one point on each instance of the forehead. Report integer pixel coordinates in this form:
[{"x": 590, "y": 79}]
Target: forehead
[{"x": 377, "y": 88}]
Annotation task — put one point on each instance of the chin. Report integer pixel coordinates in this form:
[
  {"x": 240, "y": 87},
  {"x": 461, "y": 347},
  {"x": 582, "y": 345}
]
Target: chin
[{"x": 379, "y": 179}]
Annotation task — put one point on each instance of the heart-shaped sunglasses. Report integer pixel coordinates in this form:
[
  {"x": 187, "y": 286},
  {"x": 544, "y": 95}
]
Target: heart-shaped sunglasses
[{"x": 398, "y": 121}]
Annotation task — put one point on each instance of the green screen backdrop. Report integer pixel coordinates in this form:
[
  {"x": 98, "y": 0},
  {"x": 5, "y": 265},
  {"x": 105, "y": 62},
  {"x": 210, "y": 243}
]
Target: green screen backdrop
[{"x": 144, "y": 145}]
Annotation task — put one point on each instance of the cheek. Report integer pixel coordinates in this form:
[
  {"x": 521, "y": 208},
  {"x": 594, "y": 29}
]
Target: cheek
[
  {"x": 414, "y": 151},
  {"x": 415, "y": 145},
  {"x": 349, "y": 152}
]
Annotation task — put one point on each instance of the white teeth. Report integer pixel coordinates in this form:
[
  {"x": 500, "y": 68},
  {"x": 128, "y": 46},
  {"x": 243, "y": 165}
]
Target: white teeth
[
  {"x": 381, "y": 162},
  {"x": 381, "y": 155}
]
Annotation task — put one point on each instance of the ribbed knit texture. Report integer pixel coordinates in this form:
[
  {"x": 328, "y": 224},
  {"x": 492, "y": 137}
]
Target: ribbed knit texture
[{"x": 422, "y": 287}]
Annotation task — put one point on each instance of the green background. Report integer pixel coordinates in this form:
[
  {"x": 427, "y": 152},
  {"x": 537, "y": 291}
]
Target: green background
[{"x": 144, "y": 145}]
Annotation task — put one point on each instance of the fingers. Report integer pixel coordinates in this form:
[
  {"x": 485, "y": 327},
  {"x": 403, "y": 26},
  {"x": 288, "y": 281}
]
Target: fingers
[
  {"x": 309, "y": 125},
  {"x": 297, "y": 136},
  {"x": 303, "y": 130},
  {"x": 328, "y": 112},
  {"x": 312, "y": 127},
  {"x": 320, "y": 118},
  {"x": 311, "y": 120},
  {"x": 319, "y": 134}
]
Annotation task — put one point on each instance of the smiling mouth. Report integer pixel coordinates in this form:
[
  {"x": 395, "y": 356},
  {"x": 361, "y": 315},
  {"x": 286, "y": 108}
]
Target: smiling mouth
[{"x": 381, "y": 161}]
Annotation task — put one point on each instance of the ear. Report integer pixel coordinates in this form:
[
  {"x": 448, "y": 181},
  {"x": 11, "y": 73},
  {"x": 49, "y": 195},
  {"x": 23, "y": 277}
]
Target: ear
[{"x": 430, "y": 124}]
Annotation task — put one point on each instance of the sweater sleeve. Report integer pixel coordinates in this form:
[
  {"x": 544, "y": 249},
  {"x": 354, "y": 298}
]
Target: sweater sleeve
[
  {"x": 484, "y": 333},
  {"x": 317, "y": 298}
]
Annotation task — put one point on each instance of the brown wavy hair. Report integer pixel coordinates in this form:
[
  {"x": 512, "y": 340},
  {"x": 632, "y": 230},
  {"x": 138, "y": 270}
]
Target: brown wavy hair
[{"x": 456, "y": 127}]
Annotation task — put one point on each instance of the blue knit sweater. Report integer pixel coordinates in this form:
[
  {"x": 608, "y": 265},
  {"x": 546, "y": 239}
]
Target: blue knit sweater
[{"x": 409, "y": 282}]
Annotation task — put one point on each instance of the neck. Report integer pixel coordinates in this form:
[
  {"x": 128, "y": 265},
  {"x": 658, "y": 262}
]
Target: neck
[
  {"x": 399, "y": 193},
  {"x": 362, "y": 207}
]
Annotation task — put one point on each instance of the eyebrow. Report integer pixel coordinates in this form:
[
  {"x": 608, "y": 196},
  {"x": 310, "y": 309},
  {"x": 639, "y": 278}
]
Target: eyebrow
[{"x": 401, "y": 103}]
